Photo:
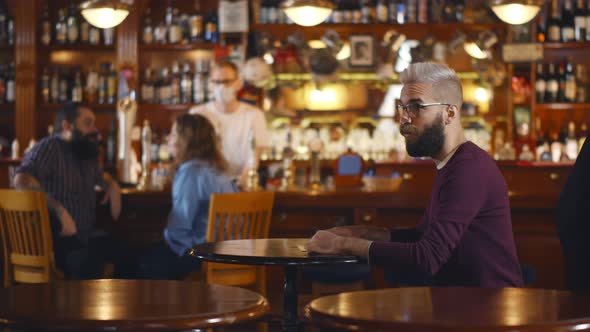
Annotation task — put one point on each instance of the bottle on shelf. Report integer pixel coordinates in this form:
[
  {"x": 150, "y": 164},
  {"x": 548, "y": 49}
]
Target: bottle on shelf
[
  {"x": 45, "y": 26},
  {"x": 581, "y": 83},
  {"x": 567, "y": 22},
  {"x": 570, "y": 82},
  {"x": 54, "y": 85},
  {"x": 580, "y": 21},
  {"x": 84, "y": 31},
  {"x": 561, "y": 82},
  {"x": 147, "y": 36},
  {"x": 45, "y": 85},
  {"x": 541, "y": 27},
  {"x": 111, "y": 84},
  {"x": 175, "y": 84},
  {"x": 174, "y": 28},
  {"x": 186, "y": 85},
  {"x": 102, "y": 83},
  {"x": 61, "y": 28},
  {"x": 587, "y": 21},
  {"x": 571, "y": 142},
  {"x": 63, "y": 85},
  {"x": 4, "y": 18},
  {"x": 111, "y": 151},
  {"x": 108, "y": 36},
  {"x": 211, "y": 28},
  {"x": 381, "y": 11},
  {"x": 147, "y": 87},
  {"x": 552, "y": 88},
  {"x": 92, "y": 82},
  {"x": 77, "y": 86},
  {"x": 554, "y": 24},
  {"x": 73, "y": 32},
  {"x": 582, "y": 135},
  {"x": 10, "y": 83},
  {"x": 540, "y": 84},
  {"x": 163, "y": 88},
  {"x": 94, "y": 35}
]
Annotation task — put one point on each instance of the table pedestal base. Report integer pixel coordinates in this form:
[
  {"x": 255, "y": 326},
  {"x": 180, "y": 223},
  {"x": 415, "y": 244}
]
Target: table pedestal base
[{"x": 290, "y": 321}]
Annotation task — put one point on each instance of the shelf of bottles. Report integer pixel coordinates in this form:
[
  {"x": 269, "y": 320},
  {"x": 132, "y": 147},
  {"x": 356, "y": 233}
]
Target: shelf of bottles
[
  {"x": 565, "y": 27},
  {"x": 61, "y": 84},
  {"x": 564, "y": 82},
  {"x": 179, "y": 31}
]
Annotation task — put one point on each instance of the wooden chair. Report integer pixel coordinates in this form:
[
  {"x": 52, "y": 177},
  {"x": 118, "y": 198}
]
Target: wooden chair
[
  {"x": 26, "y": 237},
  {"x": 244, "y": 215}
]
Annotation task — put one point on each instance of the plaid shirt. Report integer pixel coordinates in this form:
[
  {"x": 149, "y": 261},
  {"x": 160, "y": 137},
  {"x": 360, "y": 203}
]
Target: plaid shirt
[{"x": 68, "y": 180}]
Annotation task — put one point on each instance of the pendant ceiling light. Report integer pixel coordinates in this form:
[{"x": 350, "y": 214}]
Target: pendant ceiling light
[
  {"x": 516, "y": 11},
  {"x": 104, "y": 13},
  {"x": 307, "y": 12}
]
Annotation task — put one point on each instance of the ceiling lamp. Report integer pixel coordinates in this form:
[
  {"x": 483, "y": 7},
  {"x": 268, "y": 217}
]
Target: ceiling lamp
[
  {"x": 104, "y": 14},
  {"x": 516, "y": 11},
  {"x": 307, "y": 12}
]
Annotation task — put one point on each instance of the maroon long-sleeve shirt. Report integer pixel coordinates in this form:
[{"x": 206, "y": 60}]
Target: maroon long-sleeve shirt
[{"x": 465, "y": 236}]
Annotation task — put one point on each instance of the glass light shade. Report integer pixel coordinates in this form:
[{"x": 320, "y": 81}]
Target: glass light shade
[
  {"x": 307, "y": 12},
  {"x": 516, "y": 12},
  {"x": 474, "y": 51},
  {"x": 104, "y": 14}
]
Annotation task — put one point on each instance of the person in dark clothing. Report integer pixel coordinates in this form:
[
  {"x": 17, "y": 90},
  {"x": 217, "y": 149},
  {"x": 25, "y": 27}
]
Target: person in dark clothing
[
  {"x": 573, "y": 223},
  {"x": 65, "y": 166},
  {"x": 465, "y": 236}
]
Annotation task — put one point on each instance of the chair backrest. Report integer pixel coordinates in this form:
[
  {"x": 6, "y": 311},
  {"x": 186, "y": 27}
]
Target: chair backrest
[
  {"x": 244, "y": 215},
  {"x": 26, "y": 237}
]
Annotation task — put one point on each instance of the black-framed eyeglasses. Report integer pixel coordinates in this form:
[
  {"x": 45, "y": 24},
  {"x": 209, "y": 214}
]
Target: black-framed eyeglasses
[
  {"x": 412, "y": 110},
  {"x": 224, "y": 82}
]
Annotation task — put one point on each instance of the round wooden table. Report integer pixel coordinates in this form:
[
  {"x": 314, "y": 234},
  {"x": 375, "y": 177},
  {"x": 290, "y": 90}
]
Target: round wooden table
[
  {"x": 283, "y": 252},
  {"x": 126, "y": 305},
  {"x": 454, "y": 309}
]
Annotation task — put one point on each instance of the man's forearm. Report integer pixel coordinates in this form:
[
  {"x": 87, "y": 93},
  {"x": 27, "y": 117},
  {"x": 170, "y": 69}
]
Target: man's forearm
[
  {"x": 27, "y": 182},
  {"x": 375, "y": 233}
]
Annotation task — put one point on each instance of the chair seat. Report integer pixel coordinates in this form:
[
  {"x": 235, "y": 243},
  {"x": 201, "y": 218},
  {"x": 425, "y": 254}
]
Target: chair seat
[{"x": 337, "y": 274}]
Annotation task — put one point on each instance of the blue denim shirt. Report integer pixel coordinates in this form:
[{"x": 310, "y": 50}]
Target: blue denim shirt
[{"x": 193, "y": 185}]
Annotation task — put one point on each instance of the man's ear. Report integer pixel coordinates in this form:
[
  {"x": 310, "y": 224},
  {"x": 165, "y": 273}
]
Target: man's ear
[
  {"x": 239, "y": 84},
  {"x": 451, "y": 113}
]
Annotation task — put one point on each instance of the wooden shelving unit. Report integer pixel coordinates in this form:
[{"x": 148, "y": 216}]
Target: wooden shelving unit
[
  {"x": 176, "y": 47},
  {"x": 164, "y": 107},
  {"x": 557, "y": 46},
  {"x": 54, "y": 107},
  {"x": 562, "y": 106},
  {"x": 78, "y": 48}
]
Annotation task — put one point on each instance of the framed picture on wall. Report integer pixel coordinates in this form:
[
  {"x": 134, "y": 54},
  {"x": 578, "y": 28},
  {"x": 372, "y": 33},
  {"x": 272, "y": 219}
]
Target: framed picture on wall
[{"x": 362, "y": 50}]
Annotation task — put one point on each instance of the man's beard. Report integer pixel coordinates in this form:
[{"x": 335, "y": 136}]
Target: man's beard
[
  {"x": 84, "y": 147},
  {"x": 430, "y": 142}
]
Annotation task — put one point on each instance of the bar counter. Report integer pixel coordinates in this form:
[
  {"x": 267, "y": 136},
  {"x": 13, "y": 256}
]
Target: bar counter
[{"x": 392, "y": 202}]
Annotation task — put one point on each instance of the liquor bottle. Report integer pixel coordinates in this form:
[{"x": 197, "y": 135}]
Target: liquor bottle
[
  {"x": 111, "y": 84},
  {"x": 381, "y": 11},
  {"x": 45, "y": 26},
  {"x": 571, "y": 142},
  {"x": 45, "y": 85},
  {"x": 2, "y": 84},
  {"x": 63, "y": 85},
  {"x": 540, "y": 84},
  {"x": 541, "y": 27},
  {"x": 164, "y": 89},
  {"x": 582, "y": 135},
  {"x": 263, "y": 12},
  {"x": 54, "y": 85},
  {"x": 412, "y": 11},
  {"x": 422, "y": 11},
  {"x": 94, "y": 35},
  {"x": 84, "y": 31},
  {"x": 3, "y": 24},
  {"x": 580, "y": 21},
  {"x": 147, "y": 87},
  {"x": 175, "y": 29},
  {"x": 366, "y": 16},
  {"x": 273, "y": 12},
  {"x": 61, "y": 28},
  {"x": 554, "y": 24},
  {"x": 148, "y": 30},
  {"x": 186, "y": 85},
  {"x": 211, "y": 28},
  {"x": 567, "y": 23},
  {"x": 552, "y": 88},
  {"x": 160, "y": 33},
  {"x": 10, "y": 30},
  {"x": 10, "y": 84},
  {"x": 92, "y": 85},
  {"x": 72, "y": 25},
  {"x": 570, "y": 82},
  {"x": 449, "y": 10},
  {"x": 392, "y": 11},
  {"x": 77, "y": 86},
  {"x": 588, "y": 21},
  {"x": 108, "y": 36},
  {"x": 175, "y": 84},
  {"x": 561, "y": 82}
]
